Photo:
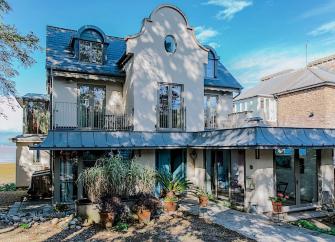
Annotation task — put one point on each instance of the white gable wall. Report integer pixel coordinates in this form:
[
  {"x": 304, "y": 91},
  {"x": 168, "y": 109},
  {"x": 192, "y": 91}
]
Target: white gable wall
[{"x": 152, "y": 65}]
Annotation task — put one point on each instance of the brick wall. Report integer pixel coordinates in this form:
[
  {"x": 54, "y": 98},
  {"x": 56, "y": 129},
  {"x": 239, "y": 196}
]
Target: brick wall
[{"x": 294, "y": 109}]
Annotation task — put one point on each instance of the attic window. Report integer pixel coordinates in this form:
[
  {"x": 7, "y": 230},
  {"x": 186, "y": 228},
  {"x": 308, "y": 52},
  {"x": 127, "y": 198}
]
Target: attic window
[
  {"x": 90, "y": 52},
  {"x": 170, "y": 44},
  {"x": 210, "y": 68}
]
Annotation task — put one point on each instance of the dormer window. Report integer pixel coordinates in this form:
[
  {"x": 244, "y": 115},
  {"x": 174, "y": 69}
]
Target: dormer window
[
  {"x": 90, "y": 52},
  {"x": 89, "y": 44},
  {"x": 210, "y": 68}
]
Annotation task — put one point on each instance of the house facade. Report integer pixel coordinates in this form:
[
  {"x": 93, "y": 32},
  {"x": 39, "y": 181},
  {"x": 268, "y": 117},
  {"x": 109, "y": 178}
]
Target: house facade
[{"x": 164, "y": 99}]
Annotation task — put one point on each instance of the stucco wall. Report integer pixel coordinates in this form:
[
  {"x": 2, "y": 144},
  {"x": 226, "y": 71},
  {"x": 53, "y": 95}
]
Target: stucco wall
[
  {"x": 152, "y": 65},
  {"x": 260, "y": 173},
  {"x": 327, "y": 171},
  {"x": 296, "y": 109},
  {"x": 25, "y": 165},
  {"x": 65, "y": 98},
  {"x": 146, "y": 157}
]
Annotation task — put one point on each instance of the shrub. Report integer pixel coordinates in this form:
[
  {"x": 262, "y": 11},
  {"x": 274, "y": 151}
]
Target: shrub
[
  {"x": 8, "y": 187},
  {"x": 117, "y": 177},
  {"x": 147, "y": 202}
]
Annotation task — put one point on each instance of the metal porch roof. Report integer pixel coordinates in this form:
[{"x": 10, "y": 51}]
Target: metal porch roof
[{"x": 239, "y": 138}]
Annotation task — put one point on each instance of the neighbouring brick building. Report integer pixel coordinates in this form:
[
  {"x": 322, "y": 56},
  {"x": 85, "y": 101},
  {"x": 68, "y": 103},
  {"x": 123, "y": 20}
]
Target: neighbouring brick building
[
  {"x": 312, "y": 107},
  {"x": 293, "y": 98}
]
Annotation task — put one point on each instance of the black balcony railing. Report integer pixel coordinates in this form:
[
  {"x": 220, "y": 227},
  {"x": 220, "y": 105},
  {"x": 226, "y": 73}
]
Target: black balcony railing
[{"x": 72, "y": 115}]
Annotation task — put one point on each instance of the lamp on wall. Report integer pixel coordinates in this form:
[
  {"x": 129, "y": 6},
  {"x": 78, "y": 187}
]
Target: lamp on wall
[
  {"x": 257, "y": 154},
  {"x": 194, "y": 154}
]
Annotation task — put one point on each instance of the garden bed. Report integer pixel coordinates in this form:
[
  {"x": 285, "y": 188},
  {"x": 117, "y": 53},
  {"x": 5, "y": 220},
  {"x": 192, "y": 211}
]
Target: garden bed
[
  {"x": 322, "y": 225},
  {"x": 165, "y": 228}
]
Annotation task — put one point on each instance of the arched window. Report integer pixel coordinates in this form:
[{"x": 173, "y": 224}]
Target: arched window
[
  {"x": 210, "y": 68},
  {"x": 91, "y": 46}
]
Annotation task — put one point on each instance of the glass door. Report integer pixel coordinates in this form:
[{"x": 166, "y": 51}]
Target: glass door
[
  {"x": 222, "y": 171},
  {"x": 297, "y": 175},
  {"x": 210, "y": 106},
  {"x": 170, "y": 106},
  {"x": 308, "y": 170},
  {"x": 91, "y": 110},
  {"x": 285, "y": 174}
]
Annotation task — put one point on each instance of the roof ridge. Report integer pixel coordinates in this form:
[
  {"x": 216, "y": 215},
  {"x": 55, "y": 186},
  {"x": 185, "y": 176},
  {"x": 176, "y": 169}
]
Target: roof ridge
[{"x": 73, "y": 30}]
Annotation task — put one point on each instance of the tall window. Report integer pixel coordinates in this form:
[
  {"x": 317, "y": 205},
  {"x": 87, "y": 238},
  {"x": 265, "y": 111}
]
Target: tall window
[
  {"x": 210, "y": 68},
  {"x": 170, "y": 106},
  {"x": 91, "y": 111},
  {"x": 36, "y": 156},
  {"x": 210, "y": 107},
  {"x": 90, "y": 52}
]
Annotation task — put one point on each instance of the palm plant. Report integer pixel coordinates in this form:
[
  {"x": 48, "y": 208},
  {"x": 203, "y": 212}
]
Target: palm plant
[{"x": 172, "y": 185}]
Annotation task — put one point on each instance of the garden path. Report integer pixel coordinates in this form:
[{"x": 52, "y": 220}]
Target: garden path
[{"x": 258, "y": 227}]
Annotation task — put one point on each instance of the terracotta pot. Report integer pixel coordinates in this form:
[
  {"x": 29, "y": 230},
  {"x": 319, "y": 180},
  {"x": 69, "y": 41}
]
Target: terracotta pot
[
  {"x": 170, "y": 206},
  {"x": 277, "y": 207},
  {"x": 107, "y": 219},
  {"x": 170, "y": 194},
  {"x": 203, "y": 201},
  {"x": 144, "y": 215}
]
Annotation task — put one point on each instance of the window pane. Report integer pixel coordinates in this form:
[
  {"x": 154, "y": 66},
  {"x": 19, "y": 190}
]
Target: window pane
[
  {"x": 170, "y": 44},
  {"x": 90, "y": 52},
  {"x": 210, "y": 68}
]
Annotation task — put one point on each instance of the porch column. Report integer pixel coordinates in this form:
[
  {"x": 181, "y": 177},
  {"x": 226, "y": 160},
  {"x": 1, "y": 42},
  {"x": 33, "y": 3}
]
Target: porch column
[
  {"x": 56, "y": 175},
  {"x": 259, "y": 180},
  {"x": 80, "y": 184},
  {"x": 327, "y": 173}
]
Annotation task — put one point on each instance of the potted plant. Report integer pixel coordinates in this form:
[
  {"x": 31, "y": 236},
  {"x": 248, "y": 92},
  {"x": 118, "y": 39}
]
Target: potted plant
[
  {"x": 172, "y": 185},
  {"x": 277, "y": 202},
  {"x": 202, "y": 196},
  {"x": 170, "y": 204},
  {"x": 109, "y": 209},
  {"x": 145, "y": 206}
]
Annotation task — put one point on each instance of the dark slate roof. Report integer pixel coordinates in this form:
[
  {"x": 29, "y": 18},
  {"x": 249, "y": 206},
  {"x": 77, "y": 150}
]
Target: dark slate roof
[
  {"x": 224, "y": 79},
  {"x": 36, "y": 96},
  {"x": 60, "y": 54},
  {"x": 242, "y": 138}
]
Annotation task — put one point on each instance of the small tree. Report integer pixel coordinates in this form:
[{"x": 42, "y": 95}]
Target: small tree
[{"x": 14, "y": 48}]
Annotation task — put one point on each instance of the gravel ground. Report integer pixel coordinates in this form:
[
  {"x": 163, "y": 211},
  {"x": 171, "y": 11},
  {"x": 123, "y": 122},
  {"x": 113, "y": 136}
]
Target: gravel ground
[{"x": 166, "y": 228}]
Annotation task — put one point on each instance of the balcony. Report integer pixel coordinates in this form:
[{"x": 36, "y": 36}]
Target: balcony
[
  {"x": 73, "y": 116},
  {"x": 171, "y": 119}
]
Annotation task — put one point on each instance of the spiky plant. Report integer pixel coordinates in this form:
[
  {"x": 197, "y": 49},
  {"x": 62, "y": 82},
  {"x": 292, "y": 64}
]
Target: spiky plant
[{"x": 172, "y": 185}]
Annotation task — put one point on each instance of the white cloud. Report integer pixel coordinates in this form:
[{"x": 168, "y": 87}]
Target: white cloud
[
  {"x": 214, "y": 45},
  {"x": 205, "y": 34},
  {"x": 230, "y": 7},
  {"x": 13, "y": 112},
  {"x": 251, "y": 67},
  {"x": 321, "y": 10},
  {"x": 327, "y": 28}
]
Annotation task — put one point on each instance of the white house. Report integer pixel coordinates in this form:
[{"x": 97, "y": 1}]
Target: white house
[{"x": 163, "y": 98}]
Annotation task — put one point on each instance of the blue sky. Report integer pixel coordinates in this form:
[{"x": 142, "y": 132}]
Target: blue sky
[{"x": 252, "y": 37}]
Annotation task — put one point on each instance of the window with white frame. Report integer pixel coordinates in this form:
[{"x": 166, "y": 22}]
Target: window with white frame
[
  {"x": 171, "y": 113},
  {"x": 210, "y": 107}
]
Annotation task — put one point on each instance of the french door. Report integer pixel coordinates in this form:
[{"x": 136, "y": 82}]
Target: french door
[
  {"x": 297, "y": 175},
  {"x": 91, "y": 108},
  {"x": 170, "y": 107}
]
